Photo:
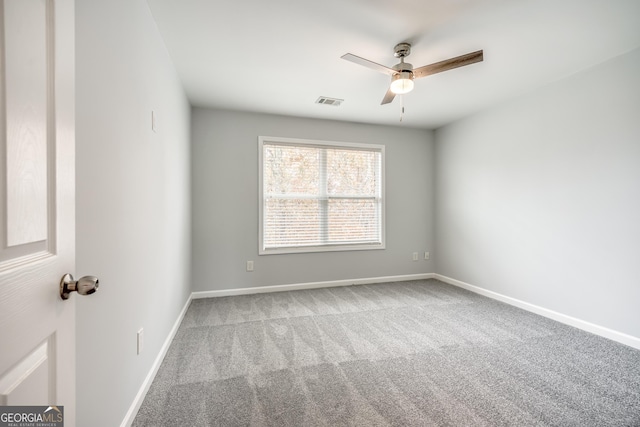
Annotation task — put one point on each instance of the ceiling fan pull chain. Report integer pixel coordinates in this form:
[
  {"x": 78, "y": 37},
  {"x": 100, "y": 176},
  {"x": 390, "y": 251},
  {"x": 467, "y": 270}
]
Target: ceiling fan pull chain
[{"x": 402, "y": 104}]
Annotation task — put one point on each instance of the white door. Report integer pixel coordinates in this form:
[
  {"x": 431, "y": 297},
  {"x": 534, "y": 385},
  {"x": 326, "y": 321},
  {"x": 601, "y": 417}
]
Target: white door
[{"x": 37, "y": 203}]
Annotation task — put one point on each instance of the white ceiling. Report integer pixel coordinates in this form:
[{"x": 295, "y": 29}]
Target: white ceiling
[{"x": 279, "y": 56}]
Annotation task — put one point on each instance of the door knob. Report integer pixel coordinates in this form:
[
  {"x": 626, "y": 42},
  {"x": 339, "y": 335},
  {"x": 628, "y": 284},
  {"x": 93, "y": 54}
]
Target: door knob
[{"x": 84, "y": 286}]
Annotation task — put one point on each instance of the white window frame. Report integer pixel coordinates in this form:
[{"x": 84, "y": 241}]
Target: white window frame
[{"x": 328, "y": 247}]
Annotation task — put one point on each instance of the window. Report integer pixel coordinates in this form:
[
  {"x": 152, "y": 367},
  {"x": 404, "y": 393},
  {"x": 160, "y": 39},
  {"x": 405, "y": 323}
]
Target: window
[{"x": 320, "y": 196}]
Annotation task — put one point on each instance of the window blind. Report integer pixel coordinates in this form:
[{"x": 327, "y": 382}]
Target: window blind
[{"x": 317, "y": 195}]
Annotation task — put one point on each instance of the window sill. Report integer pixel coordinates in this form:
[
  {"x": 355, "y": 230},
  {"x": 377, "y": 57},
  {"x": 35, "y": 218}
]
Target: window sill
[{"x": 318, "y": 249}]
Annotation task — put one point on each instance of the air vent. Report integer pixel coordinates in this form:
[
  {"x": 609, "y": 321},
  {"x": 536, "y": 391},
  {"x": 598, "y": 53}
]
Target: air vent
[{"x": 329, "y": 101}]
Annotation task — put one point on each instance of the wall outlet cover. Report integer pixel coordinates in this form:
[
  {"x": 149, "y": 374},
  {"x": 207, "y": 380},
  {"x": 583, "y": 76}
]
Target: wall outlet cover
[
  {"x": 154, "y": 121},
  {"x": 140, "y": 340}
]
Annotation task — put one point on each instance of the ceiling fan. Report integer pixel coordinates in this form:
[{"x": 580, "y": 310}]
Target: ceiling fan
[{"x": 403, "y": 73}]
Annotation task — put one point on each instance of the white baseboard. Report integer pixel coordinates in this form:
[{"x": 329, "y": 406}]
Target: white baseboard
[
  {"x": 309, "y": 285},
  {"x": 620, "y": 337},
  {"x": 137, "y": 402}
]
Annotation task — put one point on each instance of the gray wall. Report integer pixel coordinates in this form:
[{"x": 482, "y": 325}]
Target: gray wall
[
  {"x": 539, "y": 199},
  {"x": 133, "y": 202},
  {"x": 225, "y": 202}
]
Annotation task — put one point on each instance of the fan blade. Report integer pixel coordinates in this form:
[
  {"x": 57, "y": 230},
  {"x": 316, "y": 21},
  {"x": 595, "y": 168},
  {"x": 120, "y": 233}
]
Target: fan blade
[
  {"x": 388, "y": 97},
  {"x": 448, "y": 64},
  {"x": 373, "y": 65}
]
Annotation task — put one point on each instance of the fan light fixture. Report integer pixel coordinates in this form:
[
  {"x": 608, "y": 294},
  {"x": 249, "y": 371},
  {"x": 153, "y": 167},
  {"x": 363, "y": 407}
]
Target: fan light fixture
[{"x": 402, "y": 82}]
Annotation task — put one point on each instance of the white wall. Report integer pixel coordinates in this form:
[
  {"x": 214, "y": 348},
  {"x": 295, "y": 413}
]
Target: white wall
[
  {"x": 225, "y": 202},
  {"x": 133, "y": 202},
  {"x": 539, "y": 199}
]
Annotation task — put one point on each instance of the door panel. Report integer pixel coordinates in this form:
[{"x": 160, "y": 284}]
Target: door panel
[
  {"x": 37, "y": 203},
  {"x": 29, "y": 379},
  {"x": 27, "y": 70}
]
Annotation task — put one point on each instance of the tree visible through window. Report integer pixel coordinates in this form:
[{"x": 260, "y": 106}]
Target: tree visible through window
[{"x": 319, "y": 196}]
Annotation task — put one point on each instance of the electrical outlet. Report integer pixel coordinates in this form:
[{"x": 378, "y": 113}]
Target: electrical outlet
[
  {"x": 415, "y": 256},
  {"x": 426, "y": 255},
  {"x": 154, "y": 121},
  {"x": 140, "y": 340},
  {"x": 249, "y": 265}
]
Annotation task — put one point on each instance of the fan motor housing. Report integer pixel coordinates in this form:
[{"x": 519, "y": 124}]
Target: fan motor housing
[{"x": 403, "y": 67}]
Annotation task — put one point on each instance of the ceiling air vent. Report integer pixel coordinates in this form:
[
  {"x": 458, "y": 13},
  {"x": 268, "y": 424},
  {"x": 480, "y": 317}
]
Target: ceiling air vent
[{"x": 329, "y": 101}]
